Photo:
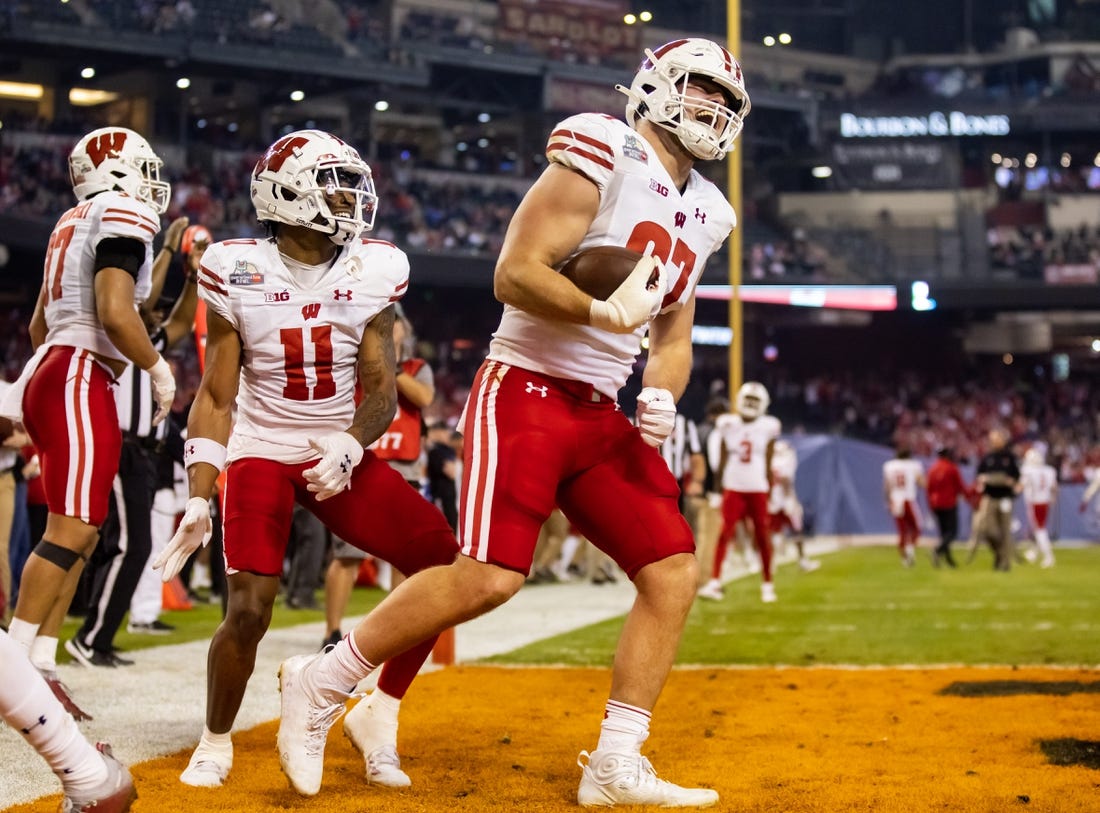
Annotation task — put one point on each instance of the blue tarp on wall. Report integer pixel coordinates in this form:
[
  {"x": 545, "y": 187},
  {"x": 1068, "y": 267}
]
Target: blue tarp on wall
[{"x": 839, "y": 482}]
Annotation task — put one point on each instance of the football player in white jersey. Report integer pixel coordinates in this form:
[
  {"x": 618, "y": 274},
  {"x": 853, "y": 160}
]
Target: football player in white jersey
[
  {"x": 86, "y": 330},
  {"x": 296, "y": 325},
  {"x": 542, "y": 426},
  {"x": 740, "y": 448},
  {"x": 1039, "y": 482},
  {"x": 901, "y": 478},
  {"x": 784, "y": 508}
]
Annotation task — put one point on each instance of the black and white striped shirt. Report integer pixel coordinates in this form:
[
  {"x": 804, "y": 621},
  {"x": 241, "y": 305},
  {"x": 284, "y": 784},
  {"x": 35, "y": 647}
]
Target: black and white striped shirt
[
  {"x": 134, "y": 398},
  {"x": 681, "y": 444}
]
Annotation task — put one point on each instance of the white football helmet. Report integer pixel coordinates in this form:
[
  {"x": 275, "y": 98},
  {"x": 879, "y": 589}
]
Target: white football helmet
[
  {"x": 752, "y": 400},
  {"x": 1034, "y": 457},
  {"x": 658, "y": 93},
  {"x": 115, "y": 158},
  {"x": 302, "y": 178}
]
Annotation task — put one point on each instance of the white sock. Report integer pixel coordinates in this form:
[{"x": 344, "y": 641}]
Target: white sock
[
  {"x": 336, "y": 673},
  {"x": 569, "y": 547},
  {"x": 28, "y": 705},
  {"x": 44, "y": 652},
  {"x": 624, "y": 727},
  {"x": 382, "y": 710},
  {"x": 218, "y": 745},
  {"x": 1042, "y": 539},
  {"x": 23, "y": 632}
]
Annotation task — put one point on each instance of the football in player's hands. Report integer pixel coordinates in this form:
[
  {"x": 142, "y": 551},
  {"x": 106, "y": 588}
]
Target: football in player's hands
[{"x": 599, "y": 270}]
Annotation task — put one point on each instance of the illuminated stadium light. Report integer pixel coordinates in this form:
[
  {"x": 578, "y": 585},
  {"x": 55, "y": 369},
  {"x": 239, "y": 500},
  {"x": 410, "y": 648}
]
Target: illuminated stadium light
[
  {"x": 297, "y": 95},
  {"x": 87, "y": 97},
  {"x": 1096, "y": 160},
  {"x": 769, "y": 40},
  {"x": 183, "y": 83},
  {"x": 1031, "y": 160},
  {"x": 484, "y": 118},
  {"x": 20, "y": 90},
  {"x": 1065, "y": 160},
  {"x": 87, "y": 73},
  {"x": 822, "y": 172},
  {"x": 841, "y": 297},
  {"x": 1096, "y": 345},
  {"x": 381, "y": 105},
  {"x": 919, "y": 298},
  {"x": 1007, "y": 358},
  {"x": 784, "y": 38},
  {"x": 645, "y": 16},
  {"x": 630, "y": 19},
  {"x": 995, "y": 158}
]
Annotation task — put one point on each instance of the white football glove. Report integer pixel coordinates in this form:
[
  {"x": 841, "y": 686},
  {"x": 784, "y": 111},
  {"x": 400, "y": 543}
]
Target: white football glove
[
  {"x": 340, "y": 454},
  {"x": 656, "y": 415},
  {"x": 194, "y": 532},
  {"x": 164, "y": 388},
  {"x": 633, "y": 302}
]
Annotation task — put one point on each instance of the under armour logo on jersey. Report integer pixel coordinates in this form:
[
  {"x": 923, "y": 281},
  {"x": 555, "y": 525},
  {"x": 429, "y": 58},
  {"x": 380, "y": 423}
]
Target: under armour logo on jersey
[
  {"x": 700, "y": 215},
  {"x": 540, "y": 390},
  {"x": 338, "y": 295},
  {"x": 40, "y": 721},
  {"x": 345, "y": 464},
  {"x": 680, "y": 219},
  {"x": 311, "y": 310}
]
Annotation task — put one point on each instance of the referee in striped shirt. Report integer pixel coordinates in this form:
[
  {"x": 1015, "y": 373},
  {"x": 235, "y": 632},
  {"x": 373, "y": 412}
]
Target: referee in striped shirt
[
  {"x": 126, "y": 538},
  {"x": 683, "y": 453}
]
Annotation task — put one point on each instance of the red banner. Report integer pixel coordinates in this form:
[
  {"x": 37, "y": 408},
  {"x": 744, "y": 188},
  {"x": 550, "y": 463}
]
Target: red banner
[{"x": 586, "y": 31}]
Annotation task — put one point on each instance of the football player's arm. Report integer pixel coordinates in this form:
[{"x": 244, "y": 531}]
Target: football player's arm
[
  {"x": 377, "y": 379},
  {"x": 549, "y": 224},
  {"x": 419, "y": 388},
  {"x": 211, "y": 413},
  {"x": 38, "y": 329},
  {"x": 170, "y": 248},
  {"x": 670, "y": 354},
  {"x": 114, "y": 296},
  {"x": 182, "y": 319}
]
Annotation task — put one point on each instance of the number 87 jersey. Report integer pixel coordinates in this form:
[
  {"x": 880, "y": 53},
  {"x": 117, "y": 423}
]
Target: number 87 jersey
[
  {"x": 640, "y": 208},
  {"x": 300, "y": 329}
]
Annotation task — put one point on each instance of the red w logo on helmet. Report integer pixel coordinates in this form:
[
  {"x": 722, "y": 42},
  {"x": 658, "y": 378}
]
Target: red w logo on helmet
[
  {"x": 106, "y": 145},
  {"x": 278, "y": 152}
]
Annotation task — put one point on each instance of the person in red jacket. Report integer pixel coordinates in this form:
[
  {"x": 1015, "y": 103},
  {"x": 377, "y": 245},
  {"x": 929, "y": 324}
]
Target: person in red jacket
[{"x": 945, "y": 486}]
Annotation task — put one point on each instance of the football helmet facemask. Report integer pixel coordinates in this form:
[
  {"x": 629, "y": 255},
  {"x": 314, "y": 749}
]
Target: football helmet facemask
[
  {"x": 118, "y": 159},
  {"x": 313, "y": 179},
  {"x": 752, "y": 400},
  {"x": 705, "y": 128}
]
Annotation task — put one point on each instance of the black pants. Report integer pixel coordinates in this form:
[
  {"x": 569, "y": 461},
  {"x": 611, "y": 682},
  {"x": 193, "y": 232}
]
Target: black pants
[
  {"x": 948, "y": 521},
  {"x": 124, "y": 547}
]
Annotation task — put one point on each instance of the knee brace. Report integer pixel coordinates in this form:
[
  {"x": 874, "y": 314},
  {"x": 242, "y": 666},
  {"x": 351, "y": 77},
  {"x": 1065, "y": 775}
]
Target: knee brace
[{"x": 57, "y": 555}]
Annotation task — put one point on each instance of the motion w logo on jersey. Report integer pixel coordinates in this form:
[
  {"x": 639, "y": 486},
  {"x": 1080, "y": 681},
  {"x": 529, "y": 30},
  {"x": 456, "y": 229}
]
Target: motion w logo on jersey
[{"x": 311, "y": 311}]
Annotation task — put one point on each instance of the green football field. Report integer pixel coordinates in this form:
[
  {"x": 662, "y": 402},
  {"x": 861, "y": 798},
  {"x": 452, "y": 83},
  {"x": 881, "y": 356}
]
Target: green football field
[{"x": 861, "y": 607}]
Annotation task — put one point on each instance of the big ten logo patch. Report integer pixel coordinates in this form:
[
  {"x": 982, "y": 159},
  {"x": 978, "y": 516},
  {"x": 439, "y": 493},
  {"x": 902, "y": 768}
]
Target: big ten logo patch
[{"x": 277, "y": 296}]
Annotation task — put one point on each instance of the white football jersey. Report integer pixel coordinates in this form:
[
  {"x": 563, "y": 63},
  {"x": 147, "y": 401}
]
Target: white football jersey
[
  {"x": 641, "y": 209},
  {"x": 300, "y": 335},
  {"x": 69, "y": 281},
  {"x": 1039, "y": 483},
  {"x": 901, "y": 478},
  {"x": 746, "y": 447},
  {"x": 782, "y": 497}
]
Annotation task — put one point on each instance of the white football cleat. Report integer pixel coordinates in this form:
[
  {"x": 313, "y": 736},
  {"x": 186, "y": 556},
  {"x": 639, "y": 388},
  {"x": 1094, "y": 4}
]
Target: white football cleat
[
  {"x": 303, "y": 727},
  {"x": 767, "y": 592},
  {"x": 712, "y": 590},
  {"x": 383, "y": 765},
  {"x": 206, "y": 769},
  {"x": 809, "y": 565},
  {"x": 610, "y": 778},
  {"x": 114, "y": 795}
]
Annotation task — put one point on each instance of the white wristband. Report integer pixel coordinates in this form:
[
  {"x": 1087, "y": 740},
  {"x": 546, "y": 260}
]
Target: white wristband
[{"x": 204, "y": 450}]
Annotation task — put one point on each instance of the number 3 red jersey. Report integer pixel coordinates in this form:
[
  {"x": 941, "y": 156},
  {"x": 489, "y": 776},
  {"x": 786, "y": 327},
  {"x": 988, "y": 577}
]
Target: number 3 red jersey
[
  {"x": 641, "y": 209},
  {"x": 300, "y": 333}
]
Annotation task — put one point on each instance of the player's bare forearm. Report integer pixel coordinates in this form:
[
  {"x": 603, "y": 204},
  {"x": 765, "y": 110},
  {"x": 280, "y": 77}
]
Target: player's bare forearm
[
  {"x": 38, "y": 328},
  {"x": 114, "y": 293},
  {"x": 377, "y": 379},
  {"x": 420, "y": 393},
  {"x": 670, "y": 352},
  {"x": 546, "y": 229}
]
